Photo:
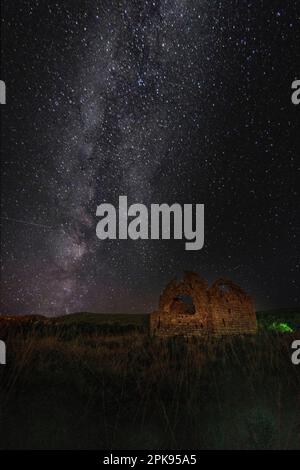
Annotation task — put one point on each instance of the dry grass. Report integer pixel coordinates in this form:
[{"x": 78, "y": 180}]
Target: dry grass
[{"x": 77, "y": 389}]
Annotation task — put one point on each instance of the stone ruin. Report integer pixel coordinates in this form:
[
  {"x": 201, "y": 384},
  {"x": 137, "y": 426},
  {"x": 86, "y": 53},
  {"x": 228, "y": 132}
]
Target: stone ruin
[{"x": 191, "y": 307}]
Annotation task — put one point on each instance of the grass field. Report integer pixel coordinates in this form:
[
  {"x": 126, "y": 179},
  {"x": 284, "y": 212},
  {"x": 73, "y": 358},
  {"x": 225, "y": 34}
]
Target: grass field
[{"x": 89, "y": 381}]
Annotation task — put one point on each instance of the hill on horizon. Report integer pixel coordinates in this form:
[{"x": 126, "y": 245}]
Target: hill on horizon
[{"x": 279, "y": 319}]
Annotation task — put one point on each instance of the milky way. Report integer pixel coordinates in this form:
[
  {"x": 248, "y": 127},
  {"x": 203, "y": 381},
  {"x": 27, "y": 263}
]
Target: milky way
[{"x": 161, "y": 101}]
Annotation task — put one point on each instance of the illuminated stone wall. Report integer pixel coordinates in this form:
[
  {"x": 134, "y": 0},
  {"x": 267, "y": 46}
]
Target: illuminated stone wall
[{"x": 224, "y": 308}]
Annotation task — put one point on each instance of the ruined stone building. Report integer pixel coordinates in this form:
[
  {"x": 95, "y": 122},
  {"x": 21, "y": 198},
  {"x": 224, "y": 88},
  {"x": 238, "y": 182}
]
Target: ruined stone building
[{"x": 192, "y": 307}]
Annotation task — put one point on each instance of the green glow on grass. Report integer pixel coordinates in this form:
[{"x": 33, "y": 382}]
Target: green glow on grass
[{"x": 283, "y": 327}]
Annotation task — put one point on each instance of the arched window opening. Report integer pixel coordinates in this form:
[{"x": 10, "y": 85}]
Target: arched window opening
[{"x": 183, "y": 304}]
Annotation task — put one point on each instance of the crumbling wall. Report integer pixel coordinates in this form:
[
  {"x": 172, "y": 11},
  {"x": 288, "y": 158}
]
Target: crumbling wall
[
  {"x": 232, "y": 309},
  {"x": 171, "y": 319},
  {"x": 223, "y": 308}
]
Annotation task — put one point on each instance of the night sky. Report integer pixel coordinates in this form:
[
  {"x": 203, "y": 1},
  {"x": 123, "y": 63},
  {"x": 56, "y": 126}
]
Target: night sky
[{"x": 184, "y": 101}]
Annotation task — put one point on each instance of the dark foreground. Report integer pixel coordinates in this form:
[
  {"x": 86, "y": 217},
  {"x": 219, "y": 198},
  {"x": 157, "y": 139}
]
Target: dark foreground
[{"x": 76, "y": 386}]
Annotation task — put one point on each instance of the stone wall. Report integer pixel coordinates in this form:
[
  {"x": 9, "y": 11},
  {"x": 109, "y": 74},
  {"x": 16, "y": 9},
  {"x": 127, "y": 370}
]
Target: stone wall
[{"x": 224, "y": 308}]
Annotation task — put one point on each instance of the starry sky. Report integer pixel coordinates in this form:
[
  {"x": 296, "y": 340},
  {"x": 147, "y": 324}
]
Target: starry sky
[{"x": 184, "y": 101}]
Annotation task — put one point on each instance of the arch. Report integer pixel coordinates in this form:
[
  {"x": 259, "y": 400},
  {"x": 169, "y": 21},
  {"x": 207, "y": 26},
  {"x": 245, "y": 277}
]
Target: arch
[
  {"x": 225, "y": 287},
  {"x": 222, "y": 308},
  {"x": 190, "y": 286},
  {"x": 183, "y": 304}
]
